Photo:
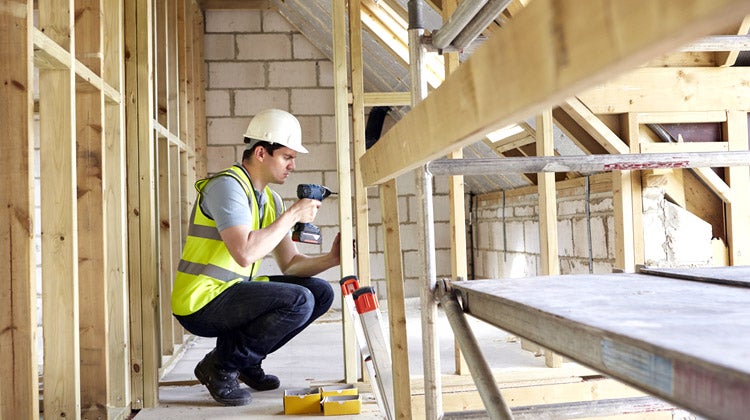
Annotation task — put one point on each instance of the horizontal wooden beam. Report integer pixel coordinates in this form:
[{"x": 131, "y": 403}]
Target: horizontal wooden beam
[
  {"x": 675, "y": 89},
  {"x": 49, "y": 55},
  {"x": 550, "y": 53},
  {"x": 234, "y": 4},
  {"x": 387, "y": 99}
]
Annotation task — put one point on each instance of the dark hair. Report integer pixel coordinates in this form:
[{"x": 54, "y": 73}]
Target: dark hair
[{"x": 270, "y": 148}]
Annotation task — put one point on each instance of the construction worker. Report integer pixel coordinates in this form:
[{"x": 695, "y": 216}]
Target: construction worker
[{"x": 236, "y": 221}]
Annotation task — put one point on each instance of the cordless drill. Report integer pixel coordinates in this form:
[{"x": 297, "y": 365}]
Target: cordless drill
[{"x": 307, "y": 232}]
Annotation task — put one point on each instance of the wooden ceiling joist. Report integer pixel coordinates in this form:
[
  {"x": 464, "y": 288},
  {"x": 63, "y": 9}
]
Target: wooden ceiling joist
[{"x": 539, "y": 66}]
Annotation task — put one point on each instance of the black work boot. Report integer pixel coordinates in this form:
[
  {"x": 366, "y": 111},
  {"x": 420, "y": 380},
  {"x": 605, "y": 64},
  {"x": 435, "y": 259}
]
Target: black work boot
[
  {"x": 255, "y": 378},
  {"x": 222, "y": 384}
]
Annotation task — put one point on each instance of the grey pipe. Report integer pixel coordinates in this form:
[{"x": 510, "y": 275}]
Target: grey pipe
[
  {"x": 479, "y": 23},
  {"x": 588, "y": 163},
  {"x": 480, "y": 370},
  {"x": 464, "y": 13}
]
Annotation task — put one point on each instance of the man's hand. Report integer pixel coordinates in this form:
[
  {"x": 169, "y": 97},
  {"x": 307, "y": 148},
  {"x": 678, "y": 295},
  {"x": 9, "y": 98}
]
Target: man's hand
[{"x": 305, "y": 210}]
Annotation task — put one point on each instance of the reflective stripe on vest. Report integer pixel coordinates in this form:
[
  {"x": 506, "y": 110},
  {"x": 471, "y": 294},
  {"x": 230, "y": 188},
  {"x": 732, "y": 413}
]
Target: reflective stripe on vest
[{"x": 207, "y": 268}]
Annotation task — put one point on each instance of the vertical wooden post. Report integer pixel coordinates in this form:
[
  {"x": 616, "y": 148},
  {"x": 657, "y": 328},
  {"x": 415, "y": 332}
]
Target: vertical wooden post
[
  {"x": 199, "y": 86},
  {"x": 545, "y": 146},
  {"x": 19, "y": 388},
  {"x": 360, "y": 191},
  {"x": 142, "y": 245},
  {"x": 628, "y": 207},
  {"x": 91, "y": 170},
  {"x": 62, "y": 375},
  {"x": 165, "y": 245},
  {"x": 738, "y": 211},
  {"x": 175, "y": 230},
  {"x": 394, "y": 275}
]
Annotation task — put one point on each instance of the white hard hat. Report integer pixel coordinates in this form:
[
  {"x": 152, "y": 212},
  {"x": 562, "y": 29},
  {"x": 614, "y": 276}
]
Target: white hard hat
[{"x": 275, "y": 126}]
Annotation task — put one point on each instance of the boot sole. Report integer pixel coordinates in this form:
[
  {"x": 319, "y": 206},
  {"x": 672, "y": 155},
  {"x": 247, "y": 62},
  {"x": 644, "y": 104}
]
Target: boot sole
[{"x": 246, "y": 381}]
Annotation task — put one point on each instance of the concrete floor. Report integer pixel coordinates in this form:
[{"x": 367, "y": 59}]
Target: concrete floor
[{"x": 315, "y": 358}]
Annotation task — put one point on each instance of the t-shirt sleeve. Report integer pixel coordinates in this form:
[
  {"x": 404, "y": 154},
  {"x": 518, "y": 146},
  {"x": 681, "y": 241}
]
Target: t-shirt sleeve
[{"x": 226, "y": 202}]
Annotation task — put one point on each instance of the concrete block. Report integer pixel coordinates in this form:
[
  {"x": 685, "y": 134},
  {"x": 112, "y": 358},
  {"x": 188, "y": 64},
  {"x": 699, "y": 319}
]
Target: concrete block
[
  {"x": 497, "y": 241},
  {"x": 531, "y": 236},
  {"x": 599, "y": 237},
  {"x": 310, "y": 129},
  {"x": 482, "y": 235},
  {"x": 235, "y": 75},
  {"x": 688, "y": 237},
  {"x": 220, "y": 157},
  {"x": 320, "y": 158},
  {"x": 251, "y": 101},
  {"x": 264, "y": 47},
  {"x": 226, "y": 131},
  {"x": 515, "y": 236},
  {"x": 325, "y": 73},
  {"x": 565, "y": 237},
  {"x": 218, "y": 103},
  {"x": 377, "y": 265},
  {"x": 274, "y": 22},
  {"x": 571, "y": 207},
  {"x": 603, "y": 205},
  {"x": 611, "y": 237},
  {"x": 405, "y": 209},
  {"x": 327, "y": 129},
  {"x": 406, "y": 184},
  {"x": 441, "y": 209},
  {"x": 374, "y": 238},
  {"x": 312, "y": 102},
  {"x": 232, "y": 21},
  {"x": 413, "y": 265},
  {"x": 373, "y": 210},
  {"x": 303, "y": 49},
  {"x": 580, "y": 238},
  {"x": 443, "y": 235},
  {"x": 523, "y": 211},
  {"x": 292, "y": 74},
  {"x": 218, "y": 47},
  {"x": 410, "y": 237}
]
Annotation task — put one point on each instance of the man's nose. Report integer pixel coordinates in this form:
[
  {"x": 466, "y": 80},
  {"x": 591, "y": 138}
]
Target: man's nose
[{"x": 292, "y": 165}]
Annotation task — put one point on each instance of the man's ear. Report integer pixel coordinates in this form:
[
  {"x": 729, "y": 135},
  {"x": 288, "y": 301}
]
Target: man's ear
[{"x": 260, "y": 152}]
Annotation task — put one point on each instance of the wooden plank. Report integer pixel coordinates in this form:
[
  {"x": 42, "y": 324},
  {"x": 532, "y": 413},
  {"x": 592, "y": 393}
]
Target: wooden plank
[
  {"x": 684, "y": 147},
  {"x": 175, "y": 233},
  {"x": 676, "y": 89},
  {"x": 165, "y": 246},
  {"x": 362, "y": 228},
  {"x": 729, "y": 58},
  {"x": 92, "y": 265},
  {"x": 19, "y": 388},
  {"x": 160, "y": 63},
  {"x": 172, "y": 71},
  {"x": 62, "y": 375},
  {"x": 628, "y": 205},
  {"x": 343, "y": 166},
  {"x": 538, "y": 68},
  {"x": 738, "y": 211},
  {"x": 142, "y": 246},
  {"x": 617, "y": 324},
  {"x": 387, "y": 99},
  {"x": 118, "y": 331},
  {"x": 733, "y": 276},
  {"x": 394, "y": 277},
  {"x": 549, "y": 253},
  {"x": 199, "y": 101},
  {"x": 235, "y": 4},
  {"x": 594, "y": 127},
  {"x": 681, "y": 117}
]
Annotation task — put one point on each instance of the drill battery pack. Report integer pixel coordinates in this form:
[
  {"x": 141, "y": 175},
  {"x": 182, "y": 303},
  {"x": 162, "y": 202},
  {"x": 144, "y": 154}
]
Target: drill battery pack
[{"x": 307, "y": 233}]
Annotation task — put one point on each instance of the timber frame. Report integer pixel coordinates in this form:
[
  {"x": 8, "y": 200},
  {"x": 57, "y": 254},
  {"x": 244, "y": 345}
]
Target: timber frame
[{"x": 120, "y": 92}]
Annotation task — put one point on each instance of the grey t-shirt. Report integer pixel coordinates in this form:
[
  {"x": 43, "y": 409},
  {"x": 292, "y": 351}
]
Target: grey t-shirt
[{"x": 225, "y": 201}]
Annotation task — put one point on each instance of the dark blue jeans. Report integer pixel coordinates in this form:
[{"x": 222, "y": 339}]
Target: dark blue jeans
[{"x": 253, "y": 319}]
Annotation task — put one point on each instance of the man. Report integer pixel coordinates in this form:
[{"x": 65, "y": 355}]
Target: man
[{"x": 237, "y": 220}]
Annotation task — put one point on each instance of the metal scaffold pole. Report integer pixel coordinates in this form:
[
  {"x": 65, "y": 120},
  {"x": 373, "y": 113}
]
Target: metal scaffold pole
[{"x": 430, "y": 344}]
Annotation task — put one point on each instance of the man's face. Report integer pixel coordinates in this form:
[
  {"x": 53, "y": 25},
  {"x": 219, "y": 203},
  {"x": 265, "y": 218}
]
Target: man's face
[{"x": 280, "y": 164}]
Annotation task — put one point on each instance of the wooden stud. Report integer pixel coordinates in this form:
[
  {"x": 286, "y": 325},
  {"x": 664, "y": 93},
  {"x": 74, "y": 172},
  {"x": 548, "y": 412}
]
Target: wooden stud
[
  {"x": 118, "y": 329},
  {"x": 166, "y": 269},
  {"x": 142, "y": 246},
  {"x": 738, "y": 211},
  {"x": 360, "y": 191},
  {"x": 60, "y": 314},
  {"x": 19, "y": 388},
  {"x": 670, "y": 89},
  {"x": 341, "y": 110},
  {"x": 92, "y": 242},
  {"x": 394, "y": 277}
]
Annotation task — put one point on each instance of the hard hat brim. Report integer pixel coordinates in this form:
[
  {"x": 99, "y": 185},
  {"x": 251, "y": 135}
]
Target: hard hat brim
[{"x": 250, "y": 143}]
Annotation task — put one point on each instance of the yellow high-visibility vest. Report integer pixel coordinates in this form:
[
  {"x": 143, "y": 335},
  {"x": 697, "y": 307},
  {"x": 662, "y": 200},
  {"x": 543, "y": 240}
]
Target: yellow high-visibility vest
[{"x": 207, "y": 268}]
